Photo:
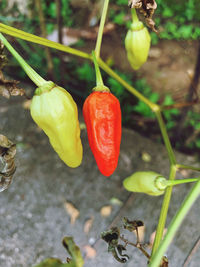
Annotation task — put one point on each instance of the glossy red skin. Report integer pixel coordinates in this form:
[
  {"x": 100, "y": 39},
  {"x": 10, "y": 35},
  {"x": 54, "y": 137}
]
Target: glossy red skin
[{"x": 102, "y": 115}]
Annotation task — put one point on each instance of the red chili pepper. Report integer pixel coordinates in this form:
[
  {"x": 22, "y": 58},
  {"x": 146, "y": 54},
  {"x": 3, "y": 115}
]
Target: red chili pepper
[{"x": 102, "y": 115}]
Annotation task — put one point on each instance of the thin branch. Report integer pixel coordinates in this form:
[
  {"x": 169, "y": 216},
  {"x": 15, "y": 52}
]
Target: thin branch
[{"x": 137, "y": 245}]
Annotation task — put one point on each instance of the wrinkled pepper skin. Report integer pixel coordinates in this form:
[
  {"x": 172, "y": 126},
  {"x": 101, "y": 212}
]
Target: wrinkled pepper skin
[
  {"x": 144, "y": 182},
  {"x": 56, "y": 113},
  {"x": 102, "y": 115},
  {"x": 137, "y": 44}
]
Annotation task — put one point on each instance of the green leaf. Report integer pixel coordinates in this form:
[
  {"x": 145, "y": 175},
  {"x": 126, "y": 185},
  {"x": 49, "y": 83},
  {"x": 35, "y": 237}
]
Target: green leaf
[
  {"x": 197, "y": 125},
  {"x": 185, "y": 31},
  {"x": 143, "y": 109},
  {"x": 170, "y": 125},
  {"x": 115, "y": 87},
  {"x": 74, "y": 251},
  {"x": 168, "y": 101},
  {"x": 119, "y": 18},
  {"x": 154, "y": 97},
  {"x": 168, "y": 12},
  {"x": 154, "y": 38},
  {"x": 121, "y": 2},
  {"x": 86, "y": 72},
  {"x": 197, "y": 143}
]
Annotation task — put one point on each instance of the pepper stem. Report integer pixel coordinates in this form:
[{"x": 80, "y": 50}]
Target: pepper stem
[
  {"x": 101, "y": 27},
  {"x": 99, "y": 81},
  {"x": 182, "y": 181},
  {"x": 34, "y": 76},
  {"x": 134, "y": 15},
  {"x": 161, "y": 183}
]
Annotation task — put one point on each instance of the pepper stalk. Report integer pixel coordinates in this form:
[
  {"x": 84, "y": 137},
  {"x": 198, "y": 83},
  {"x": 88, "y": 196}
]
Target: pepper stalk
[
  {"x": 33, "y": 75},
  {"x": 99, "y": 81}
]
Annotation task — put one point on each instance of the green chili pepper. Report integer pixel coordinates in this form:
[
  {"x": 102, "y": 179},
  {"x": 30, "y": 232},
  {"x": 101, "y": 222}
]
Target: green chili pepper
[
  {"x": 137, "y": 43},
  {"x": 151, "y": 183},
  {"x": 144, "y": 182}
]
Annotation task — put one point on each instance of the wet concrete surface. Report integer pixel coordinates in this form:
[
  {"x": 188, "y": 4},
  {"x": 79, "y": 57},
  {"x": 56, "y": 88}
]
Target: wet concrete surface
[{"x": 33, "y": 218}]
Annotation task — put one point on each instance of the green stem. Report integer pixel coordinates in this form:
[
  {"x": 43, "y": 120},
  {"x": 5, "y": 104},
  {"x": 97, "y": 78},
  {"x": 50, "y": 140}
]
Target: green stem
[
  {"x": 99, "y": 80},
  {"x": 181, "y": 166},
  {"x": 132, "y": 90},
  {"x": 36, "y": 78},
  {"x": 166, "y": 183},
  {"x": 101, "y": 27},
  {"x": 134, "y": 15},
  {"x": 165, "y": 137},
  {"x": 42, "y": 41},
  {"x": 163, "y": 212},
  {"x": 175, "y": 224}
]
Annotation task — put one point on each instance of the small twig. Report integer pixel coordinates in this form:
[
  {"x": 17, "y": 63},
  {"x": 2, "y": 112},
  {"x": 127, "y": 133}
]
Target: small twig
[
  {"x": 180, "y": 105},
  {"x": 127, "y": 242},
  {"x": 137, "y": 245}
]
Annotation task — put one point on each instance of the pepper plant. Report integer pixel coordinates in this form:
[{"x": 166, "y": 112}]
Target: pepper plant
[{"x": 56, "y": 123}]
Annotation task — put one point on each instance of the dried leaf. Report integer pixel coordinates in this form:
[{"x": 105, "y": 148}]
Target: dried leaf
[
  {"x": 90, "y": 252},
  {"x": 147, "y": 8},
  {"x": 3, "y": 58},
  {"x": 106, "y": 211},
  {"x": 141, "y": 233},
  {"x": 72, "y": 211},
  {"x": 7, "y": 154},
  {"x": 88, "y": 224},
  {"x": 9, "y": 88},
  {"x": 132, "y": 225}
]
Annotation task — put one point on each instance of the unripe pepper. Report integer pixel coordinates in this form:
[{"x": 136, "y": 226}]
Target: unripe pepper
[
  {"x": 137, "y": 43},
  {"x": 144, "y": 182},
  {"x": 102, "y": 115},
  {"x": 151, "y": 183},
  {"x": 54, "y": 110}
]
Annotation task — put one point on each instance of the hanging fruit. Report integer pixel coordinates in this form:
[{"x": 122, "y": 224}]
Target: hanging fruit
[
  {"x": 137, "y": 43},
  {"x": 102, "y": 115}
]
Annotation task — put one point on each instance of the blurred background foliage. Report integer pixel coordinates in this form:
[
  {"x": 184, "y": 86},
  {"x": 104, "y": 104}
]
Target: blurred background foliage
[{"x": 176, "y": 20}]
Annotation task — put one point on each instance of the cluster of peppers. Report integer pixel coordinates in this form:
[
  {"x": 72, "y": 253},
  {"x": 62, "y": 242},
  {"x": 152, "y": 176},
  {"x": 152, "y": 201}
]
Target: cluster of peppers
[{"x": 54, "y": 110}]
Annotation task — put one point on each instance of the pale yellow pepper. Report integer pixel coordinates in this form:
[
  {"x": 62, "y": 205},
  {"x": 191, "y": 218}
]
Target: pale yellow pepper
[
  {"x": 54, "y": 110},
  {"x": 137, "y": 43}
]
